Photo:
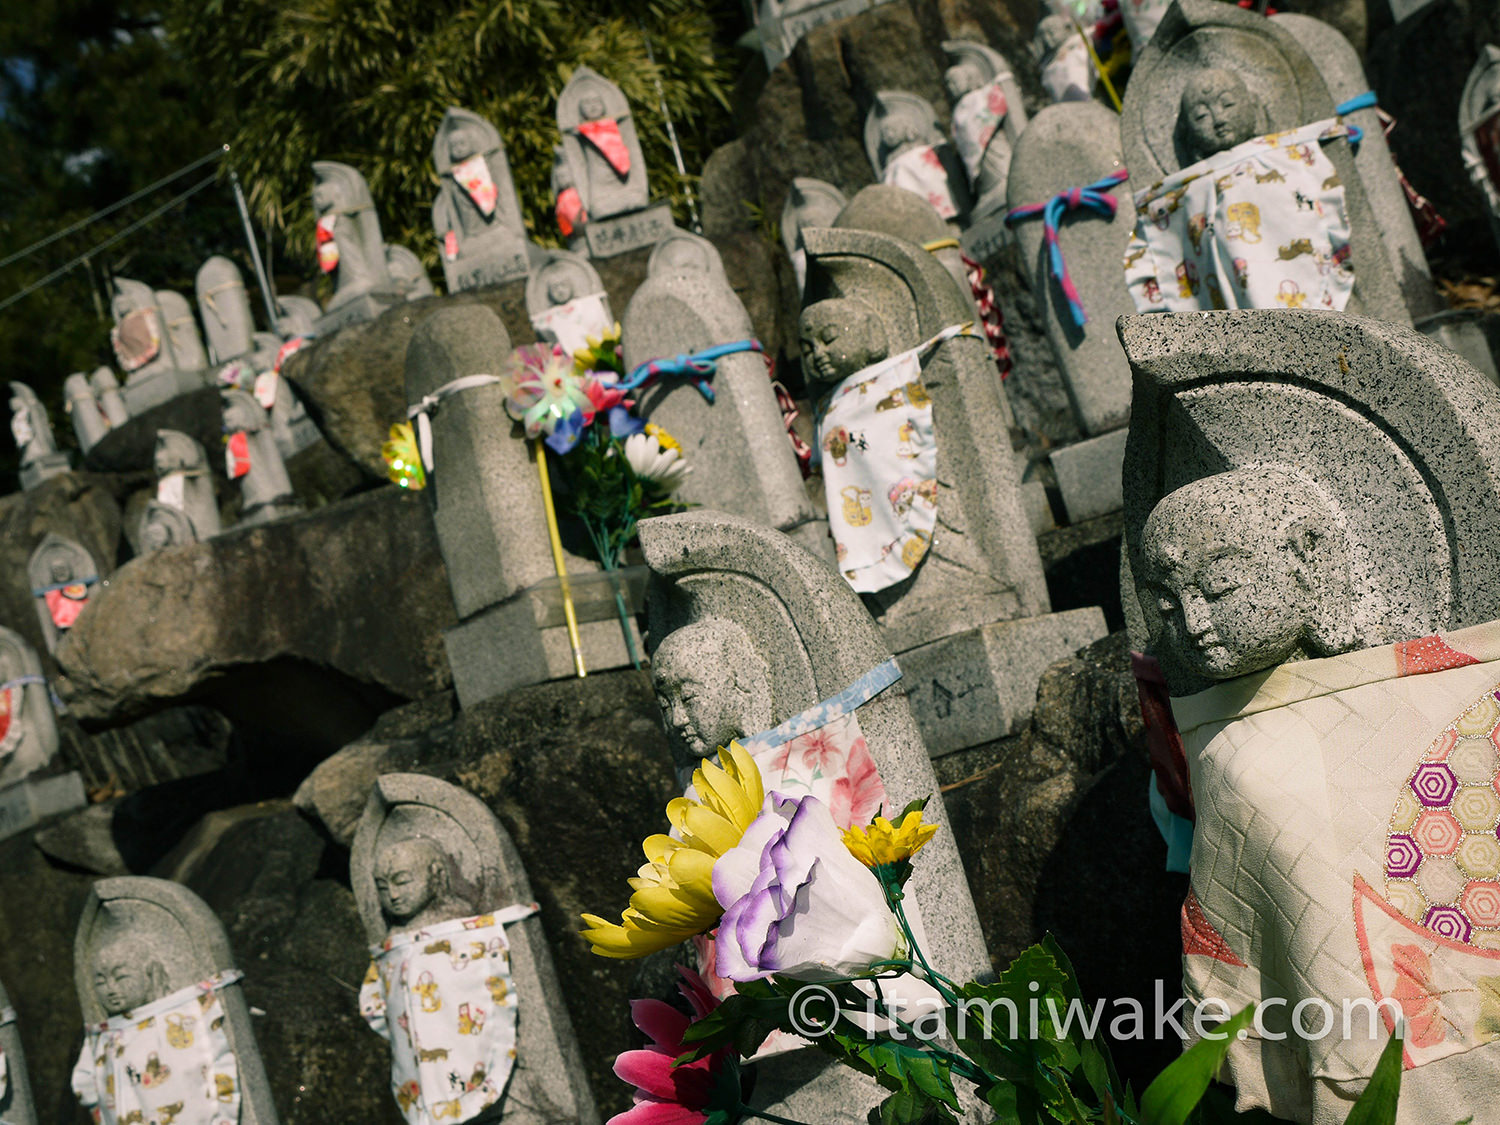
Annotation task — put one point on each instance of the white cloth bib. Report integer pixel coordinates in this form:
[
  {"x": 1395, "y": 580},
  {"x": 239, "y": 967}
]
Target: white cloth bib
[
  {"x": 975, "y": 118},
  {"x": 167, "y": 1061},
  {"x": 1068, "y": 75},
  {"x": 442, "y": 998},
  {"x": 1261, "y": 226},
  {"x": 473, "y": 175},
  {"x": 170, "y": 490},
  {"x": 919, "y": 170},
  {"x": 879, "y": 471},
  {"x": 570, "y": 325}
]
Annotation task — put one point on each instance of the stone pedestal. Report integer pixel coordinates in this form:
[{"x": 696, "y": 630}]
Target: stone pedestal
[
  {"x": 1088, "y": 475},
  {"x": 631, "y": 230},
  {"x": 492, "y": 258},
  {"x": 43, "y": 468},
  {"x": 367, "y": 306},
  {"x": 974, "y": 687}
]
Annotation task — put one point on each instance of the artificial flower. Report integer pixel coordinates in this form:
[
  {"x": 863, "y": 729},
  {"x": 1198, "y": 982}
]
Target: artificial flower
[
  {"x": 796, "y": 902},
  {"x": 602, "y": 353},
  {"x": 664, "y": 439},
  {"x": 674, "y": 893},
  {"x": 885, "y": 843},
  {"x": 403, "y": 462},
  {"x": 653, "y": 460},
  {"x": 545, "y": 395},
  {"x": 609, "y": 400},
  {"x": 667, "y": 1094}
]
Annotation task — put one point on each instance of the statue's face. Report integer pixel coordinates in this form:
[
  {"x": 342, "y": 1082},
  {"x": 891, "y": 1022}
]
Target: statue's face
[
  {"x": 897, "y": 130},
  {"x": 700, "y": 716},
  {"x": 1218, "y": 112},
  {"x": 683, "y": 256},
  {"x": 123, "y": 979},
  {"x": 163, "y": 461},
  {"x": 155, "y": 535},
  {"x": 463, "y": 143},
  {"x": 560, "y": 290},
  {"x": 61, "y": 569},
  {"x": 325, "y": 196},
  {"x": 1053, "y": 32},
  {"x": 405, "y": 878},
  {"x": 839, "y": 340},
  {"x": 591, "y": 106},
  {"x": 961, "y": 79},
  {"x": 1224, "y": 587}
]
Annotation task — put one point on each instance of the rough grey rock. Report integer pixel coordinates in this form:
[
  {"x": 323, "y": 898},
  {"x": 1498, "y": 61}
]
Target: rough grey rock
[
  {"x": 356, "y": 589},
  {"x": 1406, "y": 451}
]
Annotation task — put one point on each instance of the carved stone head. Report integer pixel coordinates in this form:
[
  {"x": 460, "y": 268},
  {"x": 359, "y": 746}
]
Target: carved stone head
[
  {"x": 339, "y": 188},
  {"x": 962, "y": 78},
  {"x": 462, "y": 134},
  {"x": 1218, "y": 112},
  {"x": 177, "y": 453},
  {"x": 127, "y": 974},
  {"x": 415, "y": 885},
  {"x": 841, "y": 337},
  {"x": 712, "y": 687},
  {"x": 1248, "y": 569}
]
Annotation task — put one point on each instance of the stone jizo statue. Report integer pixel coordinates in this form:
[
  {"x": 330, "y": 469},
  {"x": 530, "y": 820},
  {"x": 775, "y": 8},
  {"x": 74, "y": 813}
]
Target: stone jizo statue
[
  {"x": 1218, "y": 112},
  {"x": 567, "y": 302},
  {"x": 63, "y": 576},
  {"x": 89, "y": 423},
  {"x": 1479, "y": 130},
  {"x": 408, "y": 272},
  {"x": 253, "y": 459},
  {"x": 28, "y": 727},
  {"x": 162, "y": 526},
  {"x": 416, "y": 885},
  {"x": 476, "y": 216},
  {"x": 16, "y": 1103},
  {"x": 32, "y": 430},
  {"x": 906, "y": 149},
  {"x": 145, "y": 345},
  {"x": 183, "y": 482},
  {"x": 350, "y": 247},
  {"x": 712, "y": 687},
  {"x": 988, "y": 117},
  {"x": 182, "y": 330},
  {"x": 810, "y": 203},
  {"x": 229, "y": 324},
  {"x": 603, "y": 153},
  {"x": 111, "y": 401}
]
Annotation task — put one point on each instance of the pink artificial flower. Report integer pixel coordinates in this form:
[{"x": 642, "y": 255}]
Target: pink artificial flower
[{"x": 666, "y": 1094}]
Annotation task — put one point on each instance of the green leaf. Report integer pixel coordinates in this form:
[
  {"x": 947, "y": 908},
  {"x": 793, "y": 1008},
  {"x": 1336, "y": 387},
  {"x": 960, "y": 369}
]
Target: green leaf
[
  {"x": 908, "y": 1107},
  {"x": 742, "y": 1021},
  {"x": 1377, "y": 1105},
  {"x": 1098, "y": 1064},
  {"x": 1177, "y": 1089}
]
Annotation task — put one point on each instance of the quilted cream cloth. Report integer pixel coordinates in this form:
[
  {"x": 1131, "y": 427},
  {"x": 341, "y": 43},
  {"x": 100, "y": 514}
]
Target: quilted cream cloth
[{"x": 1346, "y": 851}]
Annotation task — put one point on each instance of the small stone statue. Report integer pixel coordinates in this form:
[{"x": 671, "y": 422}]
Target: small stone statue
[
  {"x": 252, "y": 458},
  {"x": 810, "y": 203},
  {"x": 684, "y": 253},
  {"x": 89, "y": 423},
  {"x": 224, "y": 306},
  {"x": 16, "y": 1104},
  {"x": 712, "y": 686},
  {"x": 63, "y": 576},
  {"x": 143, "y": 344},
  {"x": 476, "y": 216},
  {"x": 161, "y": 526},
  {"x": 167, "y": 1033},
  {"x": 408, "y": 272},
  {"x": 111, "y": 401},
  {"x": 1217, "y": 113},
  {"x": 907, "y": 150},
  {"x": 298, "y": 315},
  {"x": 28, "y": 728},
  {"x": 182, "y": 331},
  {"x": 32, "y": 430},
  {"x": 1067, "y": 70},
  {"x": 350, "y": 247},
  {"x": 183, "y": 482},
  {"x": 988, "y": 117},
  {"x": 567, "y": 302},
  {"x": 456, "y": 952}
]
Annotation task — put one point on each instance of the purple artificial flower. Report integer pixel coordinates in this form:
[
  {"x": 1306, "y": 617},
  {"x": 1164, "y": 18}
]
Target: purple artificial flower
[
  {"x": 796, "y": 902},
  {"x": 622, "y": 423}
]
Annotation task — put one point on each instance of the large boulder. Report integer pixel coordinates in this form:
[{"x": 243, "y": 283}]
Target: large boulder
[{"x": 309, "y": 626}]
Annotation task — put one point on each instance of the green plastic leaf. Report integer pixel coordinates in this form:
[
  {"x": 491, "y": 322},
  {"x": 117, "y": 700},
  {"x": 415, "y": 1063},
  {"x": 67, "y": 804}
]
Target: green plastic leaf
[
  {"x": 1177, "y": 1089},
  {"x": 1377, "y": 1105},
  {"x": 908, "y": 1107}
]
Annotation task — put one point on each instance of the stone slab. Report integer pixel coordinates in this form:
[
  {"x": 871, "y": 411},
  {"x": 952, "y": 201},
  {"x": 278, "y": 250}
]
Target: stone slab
[
  {"x": 620, "y": 234},
  {"x": 501, "y": 649},
  {"x": 1089, "y": 475},
  {"x": 367, "y": 306},
  {"x": 974, "y": 687},
  {"x": 32, "y": 800},
  {"x": 484, "y": 265},
  {"x": 986, "y": 237}
]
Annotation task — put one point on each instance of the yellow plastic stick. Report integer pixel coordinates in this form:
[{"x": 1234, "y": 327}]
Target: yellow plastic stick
[
  {"x": 557, "y": 558},
  {"x": 1098, "y": 65}
]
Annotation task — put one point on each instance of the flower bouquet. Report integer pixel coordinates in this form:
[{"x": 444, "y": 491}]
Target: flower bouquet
[{"x": 810, "y": 923}]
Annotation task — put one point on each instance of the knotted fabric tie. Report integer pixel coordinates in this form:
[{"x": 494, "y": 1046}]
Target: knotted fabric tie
[
  {"x": 698, "y": 367},
  {"x": 19, "y": 681},
  {"x": 1367, "y": 100},
  {"x": 421, "y": 412},
  {"x": 1097, "y": 198}
]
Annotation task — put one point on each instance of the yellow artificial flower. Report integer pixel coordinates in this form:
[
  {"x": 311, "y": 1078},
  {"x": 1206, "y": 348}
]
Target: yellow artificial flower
[
  {"x": 600, "y": 354},
  {"x": 663, "y": 439},
  {"x": 674, "y": 894},
  {"x": 885, "y": 843},
  {"x": 403, "y": 461}
]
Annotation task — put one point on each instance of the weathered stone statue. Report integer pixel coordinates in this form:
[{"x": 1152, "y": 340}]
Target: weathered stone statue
[
  {"x": 1226, "y": 217},
  {"x": 408, "y": 272},
  {"x": 16, "y": 1104},
  {"x": 62, "y": 576},
  {"x": 460, "y": 963},
  {"x": 161, "y": 526},
  {"x": 810, "y": 203},
  {"x": 224, "y": 306},
  {"x": 1069, "y": 146},
  {"x": 606, "y": 167},
  {"x": 111, "y": 400},
  {"x": 1325, "y": 614},
  {"x": 988, "y": 118},
  {"x": 737, "y": 443},
  {"x": 28, "y": 728},
  {"x": 476, "y": 216},
  {"x": 350, "y": 247},
  {"x": 89, "y": 423},
  {"x": 142, "y": 344},
  {"x": 182, "y": 331},
  {"x": 298, "y": 316},
  {"x": 723, "y": 587},
  {"x": 924, "y": 502},
  {"x": 567, "y": 302},
  {"x": 1479, "y": 130},
  {"x": 907, "y": 150},
  {"x": 252, "y": 458},
  {"x": 487, "y": 509},
  {"x": 183, "y": 482},
  {"x": 167, "y": 1031},
  {"x": 36, "y": 448},
  {"x": 1067, "y": 70}
]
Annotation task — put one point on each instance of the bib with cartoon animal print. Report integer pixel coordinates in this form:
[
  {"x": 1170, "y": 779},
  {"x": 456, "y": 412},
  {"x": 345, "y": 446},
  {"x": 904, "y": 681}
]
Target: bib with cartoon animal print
[
  {"x": 1261, "y": 226},
  {"x": 879, "y": 458},
  {"x": 168, "y": 1061},
  {"x": 443, "y": 999}
]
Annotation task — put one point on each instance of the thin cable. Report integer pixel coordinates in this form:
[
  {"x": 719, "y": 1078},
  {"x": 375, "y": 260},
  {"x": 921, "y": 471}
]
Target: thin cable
[
  {"x": 108, "y": 242},
  {"x": 113, "y": 207}
]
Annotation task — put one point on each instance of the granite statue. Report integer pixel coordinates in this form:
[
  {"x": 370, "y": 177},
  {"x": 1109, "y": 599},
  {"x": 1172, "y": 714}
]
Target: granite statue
[
  {"x": 182, "y": 331},
  {"x": 89, "y": 422},
  {"x": 476, "y": 216},
  {"x": 63, "y": 577},
  {"x": 810, "y": 203},
  {"x": 16, "y": 1103},
  {"x": 1067, "y": 69},
  {"x": 448, "y": 911},
  {"x": 229, "y": 324},
  {"x": 408, "y": 272},
  {"x": 567, "y": 302},
  {"x": 989, "y": 117},
  {"x": 183, "y": 482},
  {"x": 251, "y": 457},
  {"x": 160, "y": 526},
  {"x": 143, "y": 346},
  {"x": 28, "y": 727},
  {"x": 36, "y": 448},
  {"x": 111, "y": 400},
  {"x": 907, "y": 150},
  {"x": 1479, "y": 130},
  {"x": 350, "y": 247}
]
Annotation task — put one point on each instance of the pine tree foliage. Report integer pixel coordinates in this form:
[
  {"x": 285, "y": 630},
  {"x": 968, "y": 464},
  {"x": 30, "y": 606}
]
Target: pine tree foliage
[{"x": 366, "y": 82}]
